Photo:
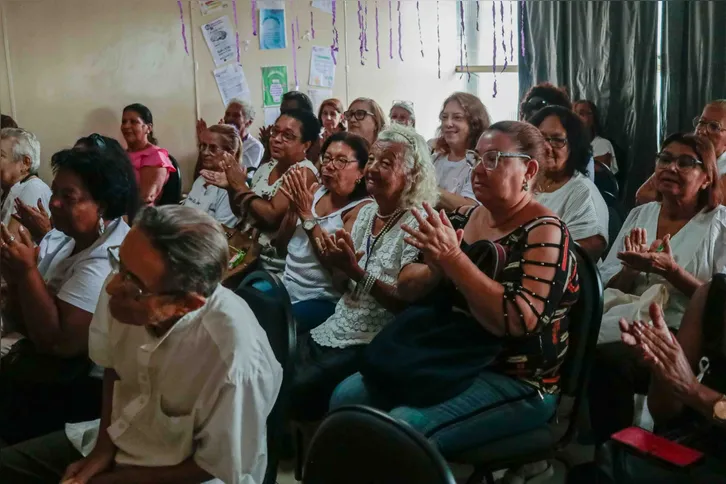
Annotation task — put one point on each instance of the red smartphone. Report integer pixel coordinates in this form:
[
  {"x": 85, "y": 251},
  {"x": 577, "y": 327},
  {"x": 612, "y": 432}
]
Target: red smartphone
[{"x": 662, "y": 449}]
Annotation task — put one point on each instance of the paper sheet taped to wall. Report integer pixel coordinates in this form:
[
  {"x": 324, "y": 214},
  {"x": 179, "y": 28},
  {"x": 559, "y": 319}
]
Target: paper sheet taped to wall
[
  {"x": 322, "y": 67},
  {"x": 220, "y": 40},
  {"x": 232, "y": 83}
]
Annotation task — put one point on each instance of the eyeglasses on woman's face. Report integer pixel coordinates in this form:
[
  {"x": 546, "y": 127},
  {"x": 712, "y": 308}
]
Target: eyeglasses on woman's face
[
  {"x": 683, "y": 162},
  {"x": 489, "y": 160},
  {"x": 212, "y": 149},
  {"x": 287, "y": 135},
  {"x": 358, "y": 114},
  {"x": 713, "y": 127},
  {"x": 556, "y": 142},
  {"x": 339, "y": 162}
]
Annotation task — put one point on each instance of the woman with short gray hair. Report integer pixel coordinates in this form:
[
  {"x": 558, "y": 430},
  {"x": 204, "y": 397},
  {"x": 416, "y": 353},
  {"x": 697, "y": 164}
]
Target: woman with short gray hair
[{"x": 19, "y": 181}]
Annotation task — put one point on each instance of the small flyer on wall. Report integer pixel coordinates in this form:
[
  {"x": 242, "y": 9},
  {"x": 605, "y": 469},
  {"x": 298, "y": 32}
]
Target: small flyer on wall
[
  {"x": 272, "y": 29},
  {"x": 211, "y": 6},
  {"x": 322, "y": 67},
  {"x": 220, "y": 40},
  {"x": 274, "y": 85},
  {"x": 232, "y": 83}
]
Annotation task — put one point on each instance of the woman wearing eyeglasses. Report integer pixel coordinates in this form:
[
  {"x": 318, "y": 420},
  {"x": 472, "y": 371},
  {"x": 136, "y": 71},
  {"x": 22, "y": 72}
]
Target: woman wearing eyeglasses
[
  {"x": 495, "y": 346},
  {"x": 664, "y": 252},
  {"x": 262, "y": 205},
  {"x": 54, "y": 289},
  {"x": 711, "y": 124},
  {"x": 365, "y": 118},
  {"x": 322, "y": 209},
  {"x": 562, "y": 185}
]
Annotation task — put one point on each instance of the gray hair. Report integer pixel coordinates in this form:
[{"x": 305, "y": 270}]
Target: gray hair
[
  {"x": 26, "y": 144},
  {"x": 407, "y": 106},
  {"x": 421, "y": 183},
  {"x": 247, "y": 109},
  {"x": 193, "y": 244}
]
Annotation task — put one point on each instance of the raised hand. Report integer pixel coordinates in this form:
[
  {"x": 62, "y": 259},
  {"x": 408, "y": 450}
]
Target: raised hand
[
  {"x": 36, "y": 220},
  {"x": 435, "y": 236},
  {"x": 236, "y": 172},
  {"x": 300, "y": 196}
]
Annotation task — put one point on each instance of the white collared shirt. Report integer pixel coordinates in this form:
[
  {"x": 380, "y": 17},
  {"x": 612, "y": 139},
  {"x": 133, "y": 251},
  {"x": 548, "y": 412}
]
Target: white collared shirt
[
  {"x": 252, "y": 151},
  {"x": 212, "y": 200},
  {"x": 28, "y": 191},
  {"x": 203, "y": 390}
]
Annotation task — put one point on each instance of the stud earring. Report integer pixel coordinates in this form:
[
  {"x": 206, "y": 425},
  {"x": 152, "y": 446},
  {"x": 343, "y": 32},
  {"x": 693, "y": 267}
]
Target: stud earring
[{"x": 525, "y": 185}]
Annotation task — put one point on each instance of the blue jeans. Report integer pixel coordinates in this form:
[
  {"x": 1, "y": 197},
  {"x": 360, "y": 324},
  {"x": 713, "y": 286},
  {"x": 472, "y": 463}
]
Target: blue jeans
[
  {"x": 495, "y": 406},
  {"x": 308, "y": 314}
]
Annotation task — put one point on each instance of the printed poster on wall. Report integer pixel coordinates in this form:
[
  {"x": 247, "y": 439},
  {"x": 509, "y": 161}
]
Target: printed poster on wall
[
  {"x": 272, "y": 29},
  {"x": 274, "y": 85},
  {"x": 220, "y": 40},
  {"x": 232, "y": 83},
  {"x": 322, "y": 67},
  {"x": 211, "y": 6}
]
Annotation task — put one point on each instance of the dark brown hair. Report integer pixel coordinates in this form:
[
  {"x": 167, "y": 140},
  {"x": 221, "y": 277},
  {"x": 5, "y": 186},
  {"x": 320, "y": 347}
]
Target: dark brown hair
[
  {"x": 335, "y": 104},
  {"x": 530, "y": 140},
  {"x": 378, "y": 116},
  {"x": 477, "y": 117},
  {"x": 7, "y": 122}
]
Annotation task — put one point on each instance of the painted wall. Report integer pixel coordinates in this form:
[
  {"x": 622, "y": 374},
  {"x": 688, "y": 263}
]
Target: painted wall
[{"x": 67, "y": 67}]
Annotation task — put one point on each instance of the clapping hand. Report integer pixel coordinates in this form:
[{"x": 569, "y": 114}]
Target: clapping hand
[
  {"x": 300, "y": 196},
  {"x": 338, "y": 251},
  {"x": 36, "y": 220},
  {"x": 231, "y": 175},
  {"x": 17, "y": 254},
  {"x": 435, "y": 237},
  {"x": 658, "y": 259}
]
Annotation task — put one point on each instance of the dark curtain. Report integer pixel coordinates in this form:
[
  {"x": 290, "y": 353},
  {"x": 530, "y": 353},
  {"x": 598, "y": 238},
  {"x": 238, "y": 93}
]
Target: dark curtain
[
  {"x": 693, "y": 60},
  {"x": 605, "y": 52}
]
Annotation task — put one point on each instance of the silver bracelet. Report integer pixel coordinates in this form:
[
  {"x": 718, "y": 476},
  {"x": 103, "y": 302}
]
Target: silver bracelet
[{"x": 370, "y": 281}]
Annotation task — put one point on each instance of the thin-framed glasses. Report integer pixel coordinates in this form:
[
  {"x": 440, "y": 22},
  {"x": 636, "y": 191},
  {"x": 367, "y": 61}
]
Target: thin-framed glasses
[
  {"x": 338, "y": 163},
  {"x": 457, "y": 117},
  {"x": 556, "y": 142},
  {"x": 489, "y": 160},
  {"x": 287, "y": 135},
  {"x": 683, "y": 162},
  {"x": 213, "y": 149},
  {"x": 358, "y": 114},
  {"x": 130, "y": 284},
  {"x": 712, "y": 127}
]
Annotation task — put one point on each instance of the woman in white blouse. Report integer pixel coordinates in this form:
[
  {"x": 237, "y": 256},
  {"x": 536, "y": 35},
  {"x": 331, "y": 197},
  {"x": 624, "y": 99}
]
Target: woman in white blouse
[
  {"x": 665, "y": 251},
  {"x": 602, "y": 149},
  {"x": 368, "y": 262},
  {"x": 563, "y": 185},
  {"x": 216, "y": 143}
]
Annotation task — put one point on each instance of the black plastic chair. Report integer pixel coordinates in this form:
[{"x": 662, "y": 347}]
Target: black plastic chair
[
  {"x": 171, "y": 194},
  {"x": 274, "y": 312},
  {"x": 607, "y": 184},
  {"x": 547, "y": 441},
  {"x": 362, "y": 445}
]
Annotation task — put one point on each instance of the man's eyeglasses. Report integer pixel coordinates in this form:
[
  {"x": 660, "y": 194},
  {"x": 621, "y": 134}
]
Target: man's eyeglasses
[
  {"x": 358, "y": 114},
  {"x": 130, "y": 284},
  {"x": 683, "y": 162},
  {"x": 490, "y": 159},
  {"x": 338, "y": 163},
  {"x": 556, "y": 142},
  {"x": 713, "y": 127},
  {"x": 287, "y": 135}
]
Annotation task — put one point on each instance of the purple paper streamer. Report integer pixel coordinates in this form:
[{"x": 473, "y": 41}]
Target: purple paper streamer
[
  {"x": 236, "y": 26},
  {"x": 294, "y": 53},
  {"x": 494, "y": 44},
  {"x": 420, "y": 33},
  {"x": 390, "y": 29},
  {"x": 312, "y": 25},
  {"x": 521, "y": 28},
  {"x": 365, "y": 26},
  {"x": 334, "y": 46},
  {"x": 511, "y": 31},
  {"x": 461, "y": 39},
  {"x": 254, "y": 17},
  {"x": 504, "y": 39},
  {"x": 400, "y": 32},
  {"x": 183, "y": 26},
  {"x": 438, "y": 38},
  {"x": 477, "y": 15},
  {"x": 378, "y": 50},
  {"x": 361, "y": 35}
]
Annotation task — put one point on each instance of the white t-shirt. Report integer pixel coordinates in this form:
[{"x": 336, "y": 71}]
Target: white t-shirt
[
  {"x": 600, "y": 147},
  {"x": 28, "y": 191},
  {"x": 212, "y": 200},
  {"x": 454, "y": 176},
  {"x": 202, "y": 390},
  {"x": 252, "y": 151},
  {"x": 77, "y": 279},
  {"x": 579, "y": 204}
]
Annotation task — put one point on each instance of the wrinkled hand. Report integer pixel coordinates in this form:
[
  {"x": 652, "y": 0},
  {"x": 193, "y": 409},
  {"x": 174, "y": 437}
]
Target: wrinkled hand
[
  {"x": 435, "y": 237},
  {"x": 201, "y": 127},
  {"x": 17, "y": 253},
  {"x": 338, "y": 251},
  {"x": 636, "y": 241},
  {"x": 84, "y": 470},
  {"x": 235, "y": 171},
  {"x": 216, "y": 178},
  {"x": 655, "y": 260},
  {"x": 300, "y": 196},
  {"x": 661, "y": 352},
  {"x": 36, "y": 220},
  {"x": 264, "y": 135}
]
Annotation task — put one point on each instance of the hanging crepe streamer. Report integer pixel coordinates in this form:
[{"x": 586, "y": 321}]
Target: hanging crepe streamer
[
  {"x": 334, "y": 46},
  {"x": 365, "y": 26},
  {"x": 400, "y": 32},
  {"x": 420, "y": 34},
  {"x": 390, "y": 29},
  {"x": 254, "y": 17},
  {"x": 378, "y": 50},
  {"x": 477, "y": 15},
  {"x": 236, "y": 26},
  {"x": 462, "y": 44},
  {"x": 312, "y": 25},
  {"x": 294, "y": 52},
  {"x": 511, "y": 31},
  {"x": 183, "y": 26},
  {"x": 361, "y": 35},
  {"x": 494, "y": 43},
  {"x": 521, "y": 27},
  {"x": 438, "y": 38},
  {"x": 504, "y": 39}
]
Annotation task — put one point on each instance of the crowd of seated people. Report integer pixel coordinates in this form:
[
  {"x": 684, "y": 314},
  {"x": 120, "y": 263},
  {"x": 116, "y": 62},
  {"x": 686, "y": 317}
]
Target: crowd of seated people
[{"x": 432, "y": 282}]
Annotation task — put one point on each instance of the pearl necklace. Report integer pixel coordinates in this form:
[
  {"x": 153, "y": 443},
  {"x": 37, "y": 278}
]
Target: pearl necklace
[{"x": 386, "y": 217}]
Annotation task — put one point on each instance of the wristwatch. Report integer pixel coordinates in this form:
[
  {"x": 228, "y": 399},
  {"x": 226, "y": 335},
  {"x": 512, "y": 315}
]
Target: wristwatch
[
  {"x": 309, "y": 224},
  {"x": 719, "y": 409}
]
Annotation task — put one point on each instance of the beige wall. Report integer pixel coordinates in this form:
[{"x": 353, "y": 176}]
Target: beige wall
[{"x": 74, "y": 64}]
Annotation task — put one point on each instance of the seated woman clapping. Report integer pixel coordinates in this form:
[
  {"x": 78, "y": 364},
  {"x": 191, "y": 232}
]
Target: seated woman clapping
[
  {"x": 325, "y": 209},
  {"x": 216, "y": 143},
  {"x": 369, "y": 262},
  {"x": 262, "y": 205},
  {"x": 55, "y": 289},
  {"x": 485, "y": 362},
  {"x": 664, "y": 252}
]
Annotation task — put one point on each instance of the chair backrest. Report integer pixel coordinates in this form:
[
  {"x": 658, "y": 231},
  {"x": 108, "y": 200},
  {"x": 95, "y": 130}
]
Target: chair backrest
[
  {"x": 607, "y": 184},
  {"x": 615, "y": 223},
  {"x": 171, "y": 194},
  {"x": 362, "y": 445},
  {"x": 274, "y": 313},
  {"x": 584, "y": 326}
]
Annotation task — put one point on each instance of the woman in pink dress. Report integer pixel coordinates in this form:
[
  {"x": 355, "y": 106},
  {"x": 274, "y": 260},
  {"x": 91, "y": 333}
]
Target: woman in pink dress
[{"x": 151, "y": 163}]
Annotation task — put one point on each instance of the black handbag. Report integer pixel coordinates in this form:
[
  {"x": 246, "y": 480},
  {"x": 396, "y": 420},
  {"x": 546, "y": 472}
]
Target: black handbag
[
  {"x": 25, "y": 365},
  {"x": 431, "y": 354}
]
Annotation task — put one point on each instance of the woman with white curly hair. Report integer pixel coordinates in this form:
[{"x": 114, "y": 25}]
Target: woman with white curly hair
[{"x": 368, "y": 263}]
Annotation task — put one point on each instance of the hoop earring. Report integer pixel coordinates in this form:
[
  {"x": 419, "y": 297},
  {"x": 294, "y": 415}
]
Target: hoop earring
[{"x": 525, "y": 185}]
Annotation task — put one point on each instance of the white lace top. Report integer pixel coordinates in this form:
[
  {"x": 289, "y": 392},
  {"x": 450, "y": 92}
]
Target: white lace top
[{"x": 356, "y": 322}]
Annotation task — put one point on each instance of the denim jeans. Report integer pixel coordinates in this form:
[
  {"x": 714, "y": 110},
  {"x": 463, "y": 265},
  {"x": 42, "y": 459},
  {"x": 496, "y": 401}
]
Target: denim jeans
[{"x": 495, "y": 406}]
